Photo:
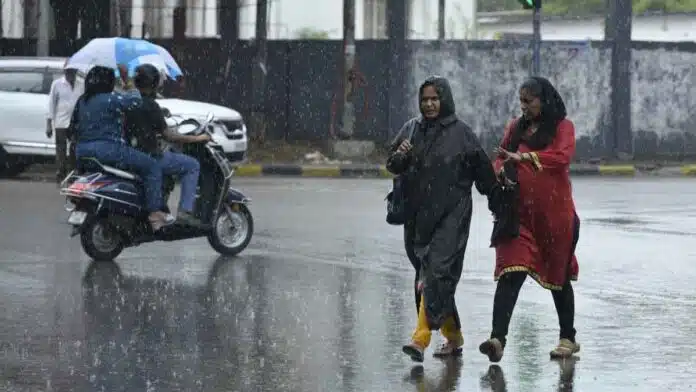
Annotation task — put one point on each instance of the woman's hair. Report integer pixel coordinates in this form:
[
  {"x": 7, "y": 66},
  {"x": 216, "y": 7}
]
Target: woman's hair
[
  {"x": 99, "y": 80},
  {"x": 553, "y": 111}
]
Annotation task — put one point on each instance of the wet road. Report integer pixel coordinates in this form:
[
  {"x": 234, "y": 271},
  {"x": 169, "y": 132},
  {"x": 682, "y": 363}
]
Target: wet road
[{"x": 322, "y": 301}]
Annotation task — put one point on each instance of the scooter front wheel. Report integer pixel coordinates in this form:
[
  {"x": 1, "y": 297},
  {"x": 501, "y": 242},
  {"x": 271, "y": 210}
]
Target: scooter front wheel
[
  {"x": 99, "y": 239},
  {"x": 232, "y": 230}
]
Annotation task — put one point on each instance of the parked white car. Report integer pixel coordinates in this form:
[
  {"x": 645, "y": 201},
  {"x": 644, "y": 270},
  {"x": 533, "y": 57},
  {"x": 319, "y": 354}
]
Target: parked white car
[{"x": 24, "y": 86}]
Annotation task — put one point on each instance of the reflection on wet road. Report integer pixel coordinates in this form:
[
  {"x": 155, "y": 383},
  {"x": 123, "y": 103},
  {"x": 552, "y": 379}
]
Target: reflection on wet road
[{"x": 321, "y": 301}]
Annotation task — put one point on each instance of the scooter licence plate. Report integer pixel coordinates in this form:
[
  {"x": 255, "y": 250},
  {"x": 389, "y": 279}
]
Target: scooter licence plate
[{"x": 77, "y": 217}]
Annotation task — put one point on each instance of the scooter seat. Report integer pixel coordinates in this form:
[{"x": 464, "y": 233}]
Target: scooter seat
[
  {"x": 94, "y": 164},
  {"x": 121, "y": 173}
]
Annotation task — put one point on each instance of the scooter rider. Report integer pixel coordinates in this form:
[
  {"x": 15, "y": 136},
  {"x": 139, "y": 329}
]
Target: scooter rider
[
  {"x": 98, "y": 128},
  {"x": 144, "y": 127}
]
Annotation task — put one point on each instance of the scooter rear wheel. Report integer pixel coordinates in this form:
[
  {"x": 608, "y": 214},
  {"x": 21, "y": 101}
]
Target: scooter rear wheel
[{"x": 99, "y": 240}]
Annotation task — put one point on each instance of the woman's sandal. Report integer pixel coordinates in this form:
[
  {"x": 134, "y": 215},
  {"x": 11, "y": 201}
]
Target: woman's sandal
[
  {"x": 159, "y": 220},
  {"x": 414, "y": 351},
  {"x": 449, "y": 349},
  {"x": 493, "y": 348},
  {"x": 565, "y": 349}
]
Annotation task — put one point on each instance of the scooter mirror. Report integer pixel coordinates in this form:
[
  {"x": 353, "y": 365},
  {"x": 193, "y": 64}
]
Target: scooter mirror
[{"x": 171, "y": 123}]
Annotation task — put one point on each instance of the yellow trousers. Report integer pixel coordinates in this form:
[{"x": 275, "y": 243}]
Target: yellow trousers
[{"x": 422, "y": 334}]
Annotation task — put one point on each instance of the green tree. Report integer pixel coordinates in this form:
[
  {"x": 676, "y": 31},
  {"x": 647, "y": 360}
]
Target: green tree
[
  {"x": 575, "y": 7},
  {"x": 311, "y": 33}
]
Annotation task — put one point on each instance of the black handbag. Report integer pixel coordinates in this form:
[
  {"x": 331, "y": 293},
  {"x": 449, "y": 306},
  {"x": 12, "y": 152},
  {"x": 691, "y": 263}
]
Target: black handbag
[{"x": 396, "y": 201}]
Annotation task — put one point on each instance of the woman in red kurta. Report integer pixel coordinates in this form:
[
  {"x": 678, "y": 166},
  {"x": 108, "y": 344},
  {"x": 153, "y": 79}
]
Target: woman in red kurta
[{"x": 537, "y": 148}]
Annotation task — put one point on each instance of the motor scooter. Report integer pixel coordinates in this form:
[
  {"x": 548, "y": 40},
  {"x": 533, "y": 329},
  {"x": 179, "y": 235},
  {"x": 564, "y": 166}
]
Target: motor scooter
[{"x": 106, "y": 204}]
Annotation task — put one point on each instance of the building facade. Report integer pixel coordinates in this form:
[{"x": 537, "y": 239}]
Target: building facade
[
  {"x": 663, "y": 28},
  {"x": 154, "y": 18}
]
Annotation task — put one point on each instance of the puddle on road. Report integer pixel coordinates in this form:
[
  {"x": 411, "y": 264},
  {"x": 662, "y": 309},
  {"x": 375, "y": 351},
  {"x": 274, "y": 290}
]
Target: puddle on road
[
  {"x": 633, "y": 224},
  {"x": 618, "y": 221},
  {"x": 640, "y": 225}
]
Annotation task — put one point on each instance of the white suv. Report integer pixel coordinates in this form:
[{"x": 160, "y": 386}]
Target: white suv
[{"x": 24, "y": 86}]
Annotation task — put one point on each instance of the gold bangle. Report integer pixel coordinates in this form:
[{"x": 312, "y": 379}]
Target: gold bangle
[{"x": 534, "y": 158}]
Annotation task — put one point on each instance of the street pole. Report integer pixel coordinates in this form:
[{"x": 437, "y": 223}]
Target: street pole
[
  {"x": 43, "y": 29},
  {"x": 536, "y": 40},
  {"x": 397, "y": 22},
  {"x": 349, "y": 68},
  {"x": 619, "y": 138},
  {"x": 441, "y": 20},
  {"x": 228, "y": 26},
  {"x": 259, "y": 71}
]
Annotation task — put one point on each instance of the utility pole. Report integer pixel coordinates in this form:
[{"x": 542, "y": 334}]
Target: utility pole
[
  {"x": 349, "y": 68},
  {"x": 397, "y": 27},
  {"x": 43, "y": 29},
  {"x": 259, "y": 72},
  {"x": 228, "y": 26},
  {"x": 441, "y": 20},
  {"x": 619, "y": 137},
  {"x": 536, "y": 40},
  {"x": 535, "y": 5},
  {"x": 179, "y": 22}
]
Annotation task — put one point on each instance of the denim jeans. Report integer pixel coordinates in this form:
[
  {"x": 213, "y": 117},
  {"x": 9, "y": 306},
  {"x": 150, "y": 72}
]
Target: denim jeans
[
  {"x": 187, "y": 169},
  {"x": 120, "y": 155}
]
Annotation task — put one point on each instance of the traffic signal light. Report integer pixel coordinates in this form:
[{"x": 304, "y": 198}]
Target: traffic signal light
[{"x": 530, "y": 4}]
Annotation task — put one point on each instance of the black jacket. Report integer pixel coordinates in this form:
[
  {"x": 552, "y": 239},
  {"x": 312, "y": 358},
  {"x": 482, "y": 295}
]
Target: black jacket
[
  {"x": 145, "y": 126},
  {"x": 444, "y": 163},
  {"x": 437, "y": 176}
]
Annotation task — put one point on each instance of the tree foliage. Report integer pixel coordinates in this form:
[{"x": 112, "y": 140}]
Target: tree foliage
[
  {"x": 580, "y": 7},
  {"x": 311, "y": 33}
]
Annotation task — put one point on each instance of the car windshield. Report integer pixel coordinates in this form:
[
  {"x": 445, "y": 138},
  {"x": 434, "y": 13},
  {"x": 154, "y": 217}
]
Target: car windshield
[{"x": 22, "y": 81}]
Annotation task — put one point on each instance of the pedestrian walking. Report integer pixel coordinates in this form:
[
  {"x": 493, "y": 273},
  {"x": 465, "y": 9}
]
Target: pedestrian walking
[
  {"x": 536, "y": 227},
  {"x": 62, "y": 97},
  {"x": 439, "y": 163}
]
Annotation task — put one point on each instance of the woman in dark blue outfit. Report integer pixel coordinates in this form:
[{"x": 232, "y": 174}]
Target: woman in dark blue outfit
[{"x": 99, "y": 133}]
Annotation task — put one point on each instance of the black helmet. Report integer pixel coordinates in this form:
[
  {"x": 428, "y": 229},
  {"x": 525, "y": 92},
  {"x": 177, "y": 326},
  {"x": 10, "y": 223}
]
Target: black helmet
[{"x": 146, "y": 76}]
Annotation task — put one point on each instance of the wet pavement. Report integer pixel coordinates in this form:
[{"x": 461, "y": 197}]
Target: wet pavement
[{"x": 322, "y": 300}]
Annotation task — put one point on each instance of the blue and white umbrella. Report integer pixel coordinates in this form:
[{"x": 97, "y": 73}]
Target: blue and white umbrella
[
  {"x": 163, "y": 60},
  {"x": 152, "y": 59},
  {"x": 112, "y": 52}
]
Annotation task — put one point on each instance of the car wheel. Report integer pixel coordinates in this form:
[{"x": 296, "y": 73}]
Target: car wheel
[{"x": 10, "y": 167}]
